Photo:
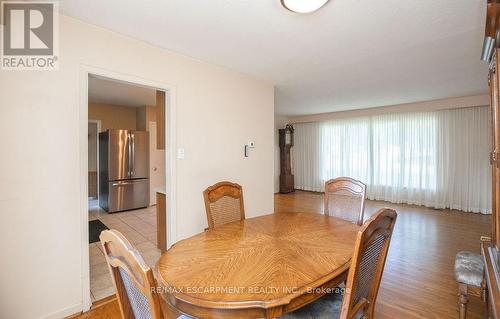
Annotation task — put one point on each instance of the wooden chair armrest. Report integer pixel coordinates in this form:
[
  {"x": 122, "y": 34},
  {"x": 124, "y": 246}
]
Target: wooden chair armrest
[{"x": 484, "y": 240}]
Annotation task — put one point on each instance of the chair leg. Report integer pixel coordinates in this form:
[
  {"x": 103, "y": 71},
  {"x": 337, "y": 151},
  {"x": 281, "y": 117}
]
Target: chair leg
[
  {"x": 463, "y": 298},
  {"x": 484, "y": 297},
  {"x": 484, "y": 292}
]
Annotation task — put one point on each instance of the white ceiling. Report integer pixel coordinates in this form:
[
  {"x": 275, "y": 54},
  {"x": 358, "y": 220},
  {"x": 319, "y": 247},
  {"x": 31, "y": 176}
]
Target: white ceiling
[
  {"x": 102, "y": 90},
  {"x": 348, "y": 55}
]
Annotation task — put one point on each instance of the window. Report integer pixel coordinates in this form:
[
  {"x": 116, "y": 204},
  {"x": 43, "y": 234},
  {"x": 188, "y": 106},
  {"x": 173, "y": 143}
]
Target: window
[
  {"x": 437, "y": 159},
  {"x": 404, "y": 151},
  {"x": 383, "y": 151}
]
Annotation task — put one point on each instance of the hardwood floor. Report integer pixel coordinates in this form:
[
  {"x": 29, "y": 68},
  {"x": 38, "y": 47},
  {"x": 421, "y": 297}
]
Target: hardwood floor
[
  {"x": 106, "y": 308},
  {"x": 418, "y": 280}
]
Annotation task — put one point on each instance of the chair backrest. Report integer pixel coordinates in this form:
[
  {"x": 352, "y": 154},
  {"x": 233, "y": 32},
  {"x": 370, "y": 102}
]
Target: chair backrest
[
  {"x": 367, "y": 265},
  {"x": 345, "y": 198},
  {"x": 224, "y": 204},
  {"x": 133, "y": 278}
]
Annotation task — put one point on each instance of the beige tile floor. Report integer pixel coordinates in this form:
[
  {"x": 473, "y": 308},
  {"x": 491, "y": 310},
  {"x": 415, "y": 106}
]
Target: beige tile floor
[{"x": 138, "y": 226}]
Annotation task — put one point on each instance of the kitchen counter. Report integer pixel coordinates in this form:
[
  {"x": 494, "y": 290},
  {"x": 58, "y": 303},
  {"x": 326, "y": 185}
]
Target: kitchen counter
[{"x": 161, "y": 190}]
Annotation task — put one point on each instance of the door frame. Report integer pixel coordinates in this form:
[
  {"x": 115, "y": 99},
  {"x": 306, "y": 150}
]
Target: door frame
[
  {"x": 98, "y": 123},
  {"x": 170, "y": 160}
]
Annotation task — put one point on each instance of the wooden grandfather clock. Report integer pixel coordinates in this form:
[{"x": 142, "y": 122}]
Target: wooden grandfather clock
[{"x": 286, "y": 143}]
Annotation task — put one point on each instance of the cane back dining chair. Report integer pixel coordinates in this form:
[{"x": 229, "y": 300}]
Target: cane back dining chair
[
  {"x": 345, "y": 198},
  {"x": 365, "y": 274},
  {"x": 136, "y": 288},
  {"x": 224, "y": 204}
]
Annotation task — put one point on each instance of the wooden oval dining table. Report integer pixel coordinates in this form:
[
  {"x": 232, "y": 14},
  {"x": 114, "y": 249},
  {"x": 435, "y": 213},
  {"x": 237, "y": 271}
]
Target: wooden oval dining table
[{"x": 260, "y": 267}]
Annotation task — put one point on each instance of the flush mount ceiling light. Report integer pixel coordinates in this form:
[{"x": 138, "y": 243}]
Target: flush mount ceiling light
[{"x": 303, "y": 6}]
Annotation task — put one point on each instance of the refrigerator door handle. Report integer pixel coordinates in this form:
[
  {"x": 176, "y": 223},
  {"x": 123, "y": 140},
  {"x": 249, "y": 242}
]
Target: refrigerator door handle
[
  {"x": 129, "y": 151},
  {"x": 132, "y": 154}
]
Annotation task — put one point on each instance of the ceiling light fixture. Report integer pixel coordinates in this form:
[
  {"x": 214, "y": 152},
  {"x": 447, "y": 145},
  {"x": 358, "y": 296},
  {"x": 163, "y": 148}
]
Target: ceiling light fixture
[{"x": 303, "y": 6}]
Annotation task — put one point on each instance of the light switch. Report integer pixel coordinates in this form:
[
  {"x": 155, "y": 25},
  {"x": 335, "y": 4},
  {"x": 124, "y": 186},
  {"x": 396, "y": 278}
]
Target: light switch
[{"x": 181, "y": 153}]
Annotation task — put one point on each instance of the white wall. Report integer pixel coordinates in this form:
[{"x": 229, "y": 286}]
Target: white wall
[
  {"x": 280, "y": 122},
  {"x": 218, "y": 111}
]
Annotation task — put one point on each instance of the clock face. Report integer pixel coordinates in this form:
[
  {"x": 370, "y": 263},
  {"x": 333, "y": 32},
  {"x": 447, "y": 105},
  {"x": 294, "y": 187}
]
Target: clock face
[{"x": 288, "y": 138}]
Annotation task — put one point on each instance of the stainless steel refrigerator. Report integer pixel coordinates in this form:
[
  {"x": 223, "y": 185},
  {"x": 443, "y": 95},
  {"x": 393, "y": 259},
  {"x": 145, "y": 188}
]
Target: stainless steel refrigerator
[{"x": 123, "y": 170}]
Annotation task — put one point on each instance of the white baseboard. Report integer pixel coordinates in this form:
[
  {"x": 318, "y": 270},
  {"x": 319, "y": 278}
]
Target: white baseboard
[{"x": 63, "y": 313}]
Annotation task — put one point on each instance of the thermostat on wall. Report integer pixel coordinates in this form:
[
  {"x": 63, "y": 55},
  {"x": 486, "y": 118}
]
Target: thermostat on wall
[{"x": 249, "y": 145}]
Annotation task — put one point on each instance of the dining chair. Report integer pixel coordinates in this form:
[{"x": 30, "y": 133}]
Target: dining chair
[
  {"x": 345, "y": 198},
  {"x": 136, "y": 287},
  {"x": 224, "y": 204},
  {"x": 365, "y": 273}
]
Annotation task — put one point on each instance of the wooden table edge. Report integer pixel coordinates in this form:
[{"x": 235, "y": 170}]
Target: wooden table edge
[
  {"x": 192, "y": 306},
  {"x": 245, "y": 304}
]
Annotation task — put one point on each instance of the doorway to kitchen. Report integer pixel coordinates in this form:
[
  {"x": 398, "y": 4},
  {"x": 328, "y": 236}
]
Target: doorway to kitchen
[{"x": 127, "y": 170}]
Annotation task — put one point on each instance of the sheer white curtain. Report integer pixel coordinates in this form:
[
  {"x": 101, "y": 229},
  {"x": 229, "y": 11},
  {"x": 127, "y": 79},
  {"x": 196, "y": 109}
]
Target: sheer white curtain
[{"x": 437, "y": 159}]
